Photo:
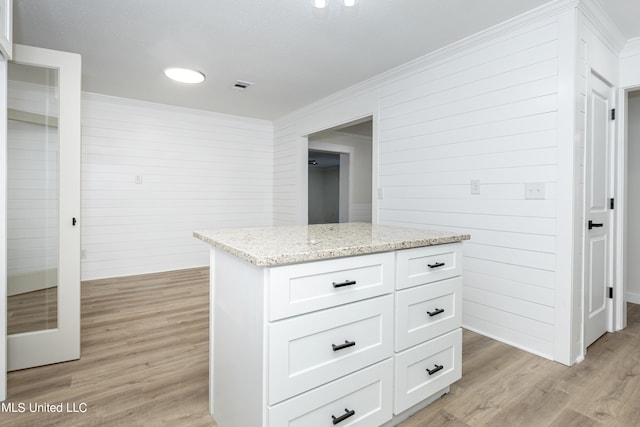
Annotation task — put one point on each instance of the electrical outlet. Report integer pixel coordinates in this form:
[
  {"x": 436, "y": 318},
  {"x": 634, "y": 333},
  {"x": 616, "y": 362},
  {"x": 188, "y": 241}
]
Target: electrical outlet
[
  {"x": 534, "y": 191},
  {"x": 475, "y": 186},
  {"x": 138, "y": 179}
]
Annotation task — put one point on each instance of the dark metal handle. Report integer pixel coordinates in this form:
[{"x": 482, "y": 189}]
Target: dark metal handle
[
  {"x": 341, "y": 418},
  {"x": 436, "y": 265},
  {"x": 346, "y": 283},
  {"x": 342, "y": 346},
  {"x": 73, "y": 221},
  {"x": 593, "y": 225},
  {"x": 434, "y": 370},
  {"x": 436, "y": 312}
]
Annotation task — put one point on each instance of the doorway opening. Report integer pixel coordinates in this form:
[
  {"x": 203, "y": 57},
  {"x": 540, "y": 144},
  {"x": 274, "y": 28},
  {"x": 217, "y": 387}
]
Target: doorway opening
[
  {"x": 632, "y": 228},
  {"x": 339, "y": 174}
]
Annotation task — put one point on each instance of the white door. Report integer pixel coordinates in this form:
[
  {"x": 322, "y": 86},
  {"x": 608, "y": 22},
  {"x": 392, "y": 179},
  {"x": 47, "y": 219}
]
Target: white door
[
  {"x": 598, "y": 250},
  {"x": 43, "y": 208}
]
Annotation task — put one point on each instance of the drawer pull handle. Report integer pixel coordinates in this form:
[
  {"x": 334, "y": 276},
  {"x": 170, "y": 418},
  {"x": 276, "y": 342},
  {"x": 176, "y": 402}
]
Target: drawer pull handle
[
  {"x": 346, "y": 344},
  {"x": 436, "y": 265},
  {"x": 347, "y": 283},
  {"x": 436, "y": 312},
  {"x": 341, "y": 418},
  {"x": 434, "y": 370}
]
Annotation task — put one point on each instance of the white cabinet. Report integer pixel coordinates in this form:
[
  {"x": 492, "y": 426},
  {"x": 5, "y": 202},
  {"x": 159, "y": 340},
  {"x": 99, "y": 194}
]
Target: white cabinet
[
  {"x": 428, "y": 321},
  {"x": 354, "y": 341}
]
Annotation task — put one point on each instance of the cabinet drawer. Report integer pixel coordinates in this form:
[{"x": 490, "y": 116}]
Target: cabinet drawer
[
  {"x": 426, "y": 369},
  {"x": 429, "y": 264},
  {"x": 361, "y": 399},
  {"x": 310, "y": 350},
  {"x": 302, "y": 288},
  {"x": 426, "y": 311}
]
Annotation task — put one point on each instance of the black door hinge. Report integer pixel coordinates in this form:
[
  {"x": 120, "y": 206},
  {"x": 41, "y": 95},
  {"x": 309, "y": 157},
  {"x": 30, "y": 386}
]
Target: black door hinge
[
  {"x": 610, "y": 293},
  {"x": 613, "y": 114},
  {"x": 612, "y": 203}
]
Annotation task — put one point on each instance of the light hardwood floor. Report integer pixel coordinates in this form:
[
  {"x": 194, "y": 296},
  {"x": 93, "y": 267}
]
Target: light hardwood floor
[
  {"x": 32, "y": 311},
  {"x": 145, "y": 352}
]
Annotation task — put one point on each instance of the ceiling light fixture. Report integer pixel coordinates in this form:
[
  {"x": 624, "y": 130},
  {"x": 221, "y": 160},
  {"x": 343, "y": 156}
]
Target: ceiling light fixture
[
  {"x": 321, "y": 4},
  {"x": 184, "y": 75}
]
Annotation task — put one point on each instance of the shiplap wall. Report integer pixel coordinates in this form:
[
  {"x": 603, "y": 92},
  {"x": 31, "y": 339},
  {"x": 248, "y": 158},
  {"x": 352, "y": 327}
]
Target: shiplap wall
[
  {"x": 489, "y": 116},
  {"x": 198, "y": 170},
  {"x": 488, "y": 112}
]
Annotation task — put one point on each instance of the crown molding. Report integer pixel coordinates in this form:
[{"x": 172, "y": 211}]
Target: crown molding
[
  {"x": 603, "y": 24},
  {"x": 631, "y": 48},
  {"x": 533, "y": 16}
]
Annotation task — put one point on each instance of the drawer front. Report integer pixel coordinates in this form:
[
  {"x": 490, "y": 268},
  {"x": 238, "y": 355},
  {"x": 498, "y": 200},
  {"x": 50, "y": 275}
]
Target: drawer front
[
  {"x": 426, "y": 311},
  {"x": 314, "y": 349},
  {"x": 360, "y": 399},
  {"x": 429, "y": 264},
  {"x": 303, "y": 288},
  {"x": 426, "y": 369}
]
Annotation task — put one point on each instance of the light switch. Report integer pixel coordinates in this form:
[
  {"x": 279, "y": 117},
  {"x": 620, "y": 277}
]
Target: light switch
[
  {"x": 138, "y": 179},
  {"x": 475, "y": 186}
]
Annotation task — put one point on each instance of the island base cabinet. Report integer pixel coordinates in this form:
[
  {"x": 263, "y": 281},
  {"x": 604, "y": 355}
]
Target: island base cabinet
[
  {"x": 427, "y": 368},
  {"x": 360, "y": 399}
]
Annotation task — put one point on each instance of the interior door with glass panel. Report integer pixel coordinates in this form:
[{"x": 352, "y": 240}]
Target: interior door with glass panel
[{"x": 43, "y": 208}]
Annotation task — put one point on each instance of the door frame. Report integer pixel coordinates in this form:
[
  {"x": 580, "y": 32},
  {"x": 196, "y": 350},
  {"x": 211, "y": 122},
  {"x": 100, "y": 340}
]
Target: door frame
[
  {"x": 621, "y": 215},
  {"x": 303, "y": 154},
  {"x": 69, "y": 178},
  {"x": 3, "y": 228}
]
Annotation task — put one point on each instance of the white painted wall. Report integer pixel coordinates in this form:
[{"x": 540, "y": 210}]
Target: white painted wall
[
  {"x": 633, "y": 199},
  {"x": 199, "y": 170},
  {"x": 499, "y": 107}
]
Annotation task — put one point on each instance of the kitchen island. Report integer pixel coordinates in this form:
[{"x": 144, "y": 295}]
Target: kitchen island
[{"x": 332, "y": 324}]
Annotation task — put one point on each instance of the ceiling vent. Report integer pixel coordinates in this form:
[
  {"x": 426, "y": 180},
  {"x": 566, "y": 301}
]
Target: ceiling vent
[{"x": 242, "y": 85}]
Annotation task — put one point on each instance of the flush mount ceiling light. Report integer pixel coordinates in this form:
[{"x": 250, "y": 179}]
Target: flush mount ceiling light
[
  {"x": 184, "y": 75},
  {"x": 321, "y": 4}
]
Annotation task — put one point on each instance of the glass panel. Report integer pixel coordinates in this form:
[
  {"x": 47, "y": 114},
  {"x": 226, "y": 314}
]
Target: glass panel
[{"x": 32, "y": 198}]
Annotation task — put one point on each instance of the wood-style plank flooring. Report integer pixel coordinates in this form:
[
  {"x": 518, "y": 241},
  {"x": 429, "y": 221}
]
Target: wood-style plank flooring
[
  {"x": 32, "y": 311},
  {"x": 145, "y": 363}
]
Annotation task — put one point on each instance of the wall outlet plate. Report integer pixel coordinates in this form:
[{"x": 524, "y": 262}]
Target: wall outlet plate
[{"x": 534, "y": 191}]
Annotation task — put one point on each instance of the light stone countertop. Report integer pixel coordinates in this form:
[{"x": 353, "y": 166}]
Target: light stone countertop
[{"x": 278, "y": 245}]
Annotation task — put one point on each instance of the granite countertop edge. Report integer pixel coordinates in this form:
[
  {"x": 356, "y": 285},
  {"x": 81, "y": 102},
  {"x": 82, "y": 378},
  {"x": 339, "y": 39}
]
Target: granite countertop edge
[{"x": 316, "y": 254}]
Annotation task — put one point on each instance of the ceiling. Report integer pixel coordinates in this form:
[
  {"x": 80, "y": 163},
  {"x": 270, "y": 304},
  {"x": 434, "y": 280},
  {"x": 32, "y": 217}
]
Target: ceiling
[{"x": 293, "y": 53}]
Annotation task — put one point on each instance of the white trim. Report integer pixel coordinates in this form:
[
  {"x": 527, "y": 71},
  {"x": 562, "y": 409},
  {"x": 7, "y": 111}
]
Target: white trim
[
  {"x": 567, "y": 284},
  {"x": 633, "y": 298},
  {"x": 603, "y": 24},
  {"x": 508, "y": 342},
  {"x": 631, "y": 48},
  {"x": 3, "y": 230}
]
